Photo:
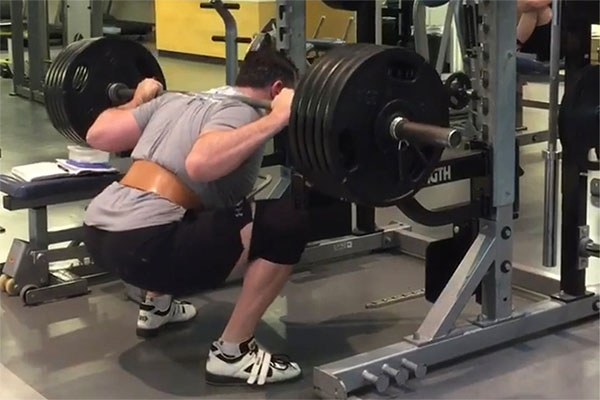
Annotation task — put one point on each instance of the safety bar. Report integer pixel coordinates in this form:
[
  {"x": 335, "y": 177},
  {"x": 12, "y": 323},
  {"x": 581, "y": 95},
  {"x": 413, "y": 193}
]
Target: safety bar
[
  {"x": 218, "y": 38},
  {"x": 229, "y": 6}
]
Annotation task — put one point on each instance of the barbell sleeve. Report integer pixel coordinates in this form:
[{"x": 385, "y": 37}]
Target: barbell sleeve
[
  {"x": 119, "y": 93},
  {"x": 403, "y": 129}
]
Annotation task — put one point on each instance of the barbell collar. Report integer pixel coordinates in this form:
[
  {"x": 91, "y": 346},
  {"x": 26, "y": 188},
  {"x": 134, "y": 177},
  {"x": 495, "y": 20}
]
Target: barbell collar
[
  {"x": 119, "y": 93},
  {"x": 403, "y": 129}
]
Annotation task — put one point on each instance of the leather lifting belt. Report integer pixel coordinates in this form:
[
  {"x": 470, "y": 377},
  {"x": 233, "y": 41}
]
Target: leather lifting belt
[{"x": 150, "y": 177}]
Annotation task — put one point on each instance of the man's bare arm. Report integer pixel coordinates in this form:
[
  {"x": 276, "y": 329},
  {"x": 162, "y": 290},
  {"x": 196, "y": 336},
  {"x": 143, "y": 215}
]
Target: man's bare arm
[
  {"x": 116, "y": 129},
  {"x": 216, "y": 154}
]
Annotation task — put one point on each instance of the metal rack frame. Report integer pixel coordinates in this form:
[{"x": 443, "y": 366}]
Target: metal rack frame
[
  {"x": 81, "y": 19},
  {"x": 488, "y": 262}
]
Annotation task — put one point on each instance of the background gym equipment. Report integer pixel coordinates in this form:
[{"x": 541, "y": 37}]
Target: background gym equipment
[
  {"x": 579, "y": 115},
  {"x": 123, "y": 27},
  {"x": 290, "y": 24},
  {"x": 551, "y": 153},
  {"x": 459, "y": 89},
  {"x": 378, "y": 153},
  {"x": 231, "y": 38},
  {"x": 28, "y": 77}
]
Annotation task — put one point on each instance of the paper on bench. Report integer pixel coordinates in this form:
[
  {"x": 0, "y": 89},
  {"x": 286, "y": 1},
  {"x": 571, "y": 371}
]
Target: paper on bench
[
  {"x": 78, "y": 168},
  {"x": 59, "y": 169},
  {"x": 38, "y": 171}
]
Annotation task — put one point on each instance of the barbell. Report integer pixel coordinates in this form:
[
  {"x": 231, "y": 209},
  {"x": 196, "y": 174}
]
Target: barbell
[
  {"x": 368, "y": 123},
  {"x": 400, "y": 127}
]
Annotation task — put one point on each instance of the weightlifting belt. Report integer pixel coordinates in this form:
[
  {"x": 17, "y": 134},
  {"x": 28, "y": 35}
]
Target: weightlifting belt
[{"x": 150, "y": 177}]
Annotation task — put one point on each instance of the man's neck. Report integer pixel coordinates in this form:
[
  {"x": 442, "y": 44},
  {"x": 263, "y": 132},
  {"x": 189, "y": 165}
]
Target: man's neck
[{"x": 260, "y": 94}]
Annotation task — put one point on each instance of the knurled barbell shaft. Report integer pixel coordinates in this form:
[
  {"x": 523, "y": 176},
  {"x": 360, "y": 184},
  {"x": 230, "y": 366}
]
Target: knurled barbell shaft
[
  {"x": 403, "y": 129},
  {"x": 119, "y": 92}
]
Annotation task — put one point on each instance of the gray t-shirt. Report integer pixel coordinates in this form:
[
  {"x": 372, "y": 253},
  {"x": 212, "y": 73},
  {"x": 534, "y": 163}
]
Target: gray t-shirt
[{"x": 170, "y": 126}]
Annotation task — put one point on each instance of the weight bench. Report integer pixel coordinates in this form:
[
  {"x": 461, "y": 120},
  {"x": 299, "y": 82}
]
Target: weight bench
[
  {"x": 531, "y": 70},
  {"x": 27, "y": 269}
]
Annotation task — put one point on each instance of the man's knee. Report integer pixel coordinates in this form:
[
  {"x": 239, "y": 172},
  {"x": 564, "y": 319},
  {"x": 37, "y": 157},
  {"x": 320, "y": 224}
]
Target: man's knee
[{"x": 280, "y": 231}]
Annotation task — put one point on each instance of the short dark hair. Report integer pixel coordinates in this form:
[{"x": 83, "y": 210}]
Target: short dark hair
[{"x": 261, "y": 68}]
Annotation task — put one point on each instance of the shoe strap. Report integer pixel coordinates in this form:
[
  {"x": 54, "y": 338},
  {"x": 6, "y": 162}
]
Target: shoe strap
[
  {"x": 260, "y": 369},
  {"x": 180, "y": 306},
  {"x": 264, "y": 370}
]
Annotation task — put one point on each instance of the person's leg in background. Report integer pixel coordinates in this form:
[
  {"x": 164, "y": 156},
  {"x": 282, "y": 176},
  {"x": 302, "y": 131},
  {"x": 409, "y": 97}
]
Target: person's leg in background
[
  {"x": 529, "y": 21},
  {"x": 279, "y": 235}
]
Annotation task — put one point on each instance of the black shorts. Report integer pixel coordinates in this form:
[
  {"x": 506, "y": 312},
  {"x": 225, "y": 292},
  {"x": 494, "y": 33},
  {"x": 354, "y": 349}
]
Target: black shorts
[
  {"x": 199, "y": 252},
  {"x": 539, "y": 42}
]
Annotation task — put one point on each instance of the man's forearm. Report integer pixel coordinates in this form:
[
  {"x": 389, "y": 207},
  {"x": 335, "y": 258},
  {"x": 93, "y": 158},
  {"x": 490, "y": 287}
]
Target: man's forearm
[{"x": 216, "y": 154}]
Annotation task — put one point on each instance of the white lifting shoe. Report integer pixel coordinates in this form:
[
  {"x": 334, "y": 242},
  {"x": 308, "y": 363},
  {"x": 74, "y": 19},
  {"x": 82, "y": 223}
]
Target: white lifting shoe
[
  {"x": 159, "y": 311},
  {"x": 254, "y": 366}
]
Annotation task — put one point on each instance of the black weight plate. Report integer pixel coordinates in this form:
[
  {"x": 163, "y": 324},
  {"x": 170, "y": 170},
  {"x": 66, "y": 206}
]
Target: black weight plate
[
  {"x": 124, "y": 61},
  {"x": 322, "y": 178},
  {"x": 353, "y": 56},
  {"x": 297, "y": 128},
  {"x": 310, "y": 93},
  {"x": 79, "y": 81},
  {"x": 53, "y": 92},
  {"x": 293, "y": 128},
  {"x": 60, "y": 105},
  {"x": 338, "y": 166},
  {"x": 391, "y": 82},
  {"x": 303, "y": 124},
  {"x": 299, "y": 131},
  {"x": 54, "y": 89},
  {"x": 347, "y": 56},
  {"x": 334, "y": 87},
  {"x": 338, "y": 61},
  {"x": 579, "y": 116},
  {"x": 458, "y": 85}
]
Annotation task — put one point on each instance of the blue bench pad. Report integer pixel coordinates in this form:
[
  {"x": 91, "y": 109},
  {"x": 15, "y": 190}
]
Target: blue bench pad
[{"x": 86, "y": 186}]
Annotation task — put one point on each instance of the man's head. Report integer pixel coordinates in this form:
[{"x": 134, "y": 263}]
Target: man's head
[{"x": 267, "y": 70}]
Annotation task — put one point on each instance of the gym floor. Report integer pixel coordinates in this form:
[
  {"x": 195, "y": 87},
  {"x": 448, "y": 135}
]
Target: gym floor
[{"x": 85, "y": 347}]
